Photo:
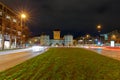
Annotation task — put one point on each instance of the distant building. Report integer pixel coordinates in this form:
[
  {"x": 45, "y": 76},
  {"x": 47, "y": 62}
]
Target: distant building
[
  {"x": 56, "y": 34},
  {"x": 114, "y": 35},
  {"x": 45, "y": 40},
  {"x": 57, "y": 40},
  {"x": 33, "y": 41},
  {"x": 54, "y": 42},
  {"x": 111, "y": 36},
  {"x": 68, "y": 40}
]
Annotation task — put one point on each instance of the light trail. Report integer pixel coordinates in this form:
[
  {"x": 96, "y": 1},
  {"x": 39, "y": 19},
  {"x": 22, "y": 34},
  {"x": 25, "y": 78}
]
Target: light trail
[
  {"x": 14, "y": 51},
  {"x": 32, "y": 49}
]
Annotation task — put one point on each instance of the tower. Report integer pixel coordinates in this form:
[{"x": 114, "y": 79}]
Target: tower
[{"x": 56, "y": 34}]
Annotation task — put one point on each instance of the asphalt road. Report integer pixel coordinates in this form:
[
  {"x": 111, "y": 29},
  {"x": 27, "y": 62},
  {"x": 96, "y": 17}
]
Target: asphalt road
[
  {"x": 115, "y": 54},
  {"x": 9, "y": 60}
]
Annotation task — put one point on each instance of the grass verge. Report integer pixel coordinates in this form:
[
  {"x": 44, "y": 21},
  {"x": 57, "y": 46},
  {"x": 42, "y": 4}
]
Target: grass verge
[{"x": 65, "y": 64}]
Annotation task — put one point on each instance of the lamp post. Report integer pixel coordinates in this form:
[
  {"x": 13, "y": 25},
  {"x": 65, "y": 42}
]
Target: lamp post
[
  {"x": 87, "y": 37},
  {"x": 23, "y": 16},
  {"x": 99, "y": 30}
]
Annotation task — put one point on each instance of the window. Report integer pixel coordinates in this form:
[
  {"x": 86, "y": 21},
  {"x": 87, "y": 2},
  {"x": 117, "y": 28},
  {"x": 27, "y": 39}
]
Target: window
[
  {"x": 8, "y": 17},
  {"x": 19, "y": 33},
  {"x": 14, "y": 20}
]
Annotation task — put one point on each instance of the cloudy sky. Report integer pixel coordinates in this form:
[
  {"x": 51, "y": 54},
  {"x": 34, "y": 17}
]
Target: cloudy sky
[{"x": 76, "y": 17}]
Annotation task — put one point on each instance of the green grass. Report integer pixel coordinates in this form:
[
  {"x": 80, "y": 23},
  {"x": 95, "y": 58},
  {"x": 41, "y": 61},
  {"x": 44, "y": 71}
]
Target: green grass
[{"x": 65, "y": 64}]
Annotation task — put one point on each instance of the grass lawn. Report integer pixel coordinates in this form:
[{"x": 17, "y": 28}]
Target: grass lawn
[{"x": 65, "y": 64}]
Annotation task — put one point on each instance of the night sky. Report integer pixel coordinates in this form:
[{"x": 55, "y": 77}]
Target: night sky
[{"x": 76, "y": 17}]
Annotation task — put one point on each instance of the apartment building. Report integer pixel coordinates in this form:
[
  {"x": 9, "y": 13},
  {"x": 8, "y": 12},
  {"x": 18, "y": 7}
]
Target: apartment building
[{"x": 12, "y": 34}]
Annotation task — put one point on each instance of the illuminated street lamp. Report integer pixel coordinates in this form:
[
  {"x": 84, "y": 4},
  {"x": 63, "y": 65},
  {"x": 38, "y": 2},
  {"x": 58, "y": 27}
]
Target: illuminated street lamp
[
  {"x": 87, "y": 36},
  {"x": 99, "y": 28},
  {"x": 23, "y": 16}
]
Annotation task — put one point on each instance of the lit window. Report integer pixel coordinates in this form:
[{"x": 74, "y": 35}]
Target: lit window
[
  {"x": 35, "y": 40},
  {"x": 19, "y": 33},
  {"x": 14, "y": 20},
  {"x": 30, "y": 42},
  {"x": 8, "y": 28},
  {"x": 24, "y": 36},
  {"x": 8, "y": 17}
]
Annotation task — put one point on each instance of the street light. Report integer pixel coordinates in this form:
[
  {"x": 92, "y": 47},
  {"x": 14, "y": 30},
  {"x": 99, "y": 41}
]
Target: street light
[
  {"x": 99, "y": 28},
  {"x": 23, "y": 16},
  {"x": 87, "y": 37}
]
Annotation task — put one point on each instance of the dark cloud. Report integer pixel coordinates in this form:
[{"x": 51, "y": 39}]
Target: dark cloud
[{"x": 79, "y": 16}]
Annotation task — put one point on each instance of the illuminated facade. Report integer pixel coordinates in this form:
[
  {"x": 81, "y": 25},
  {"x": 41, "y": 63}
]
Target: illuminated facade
[
  {"x": 44, "y": 40},
  {"x": 112, "y": 36},
  {"x": 56, "y": 34},
  {"x": 67, "y": 40},
  {"x": 11, "y": 32},
  {"x": 108, "y": 38}
]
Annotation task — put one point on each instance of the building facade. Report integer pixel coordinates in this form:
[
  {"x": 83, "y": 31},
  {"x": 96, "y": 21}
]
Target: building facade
[
  {"x": 12, "y": 35},
  {"x": 45, "y": 40},
  {"x": 56, "y": 34},
  {"x": 111, "y": 36},
  {"x": 67, "y": 40}
]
